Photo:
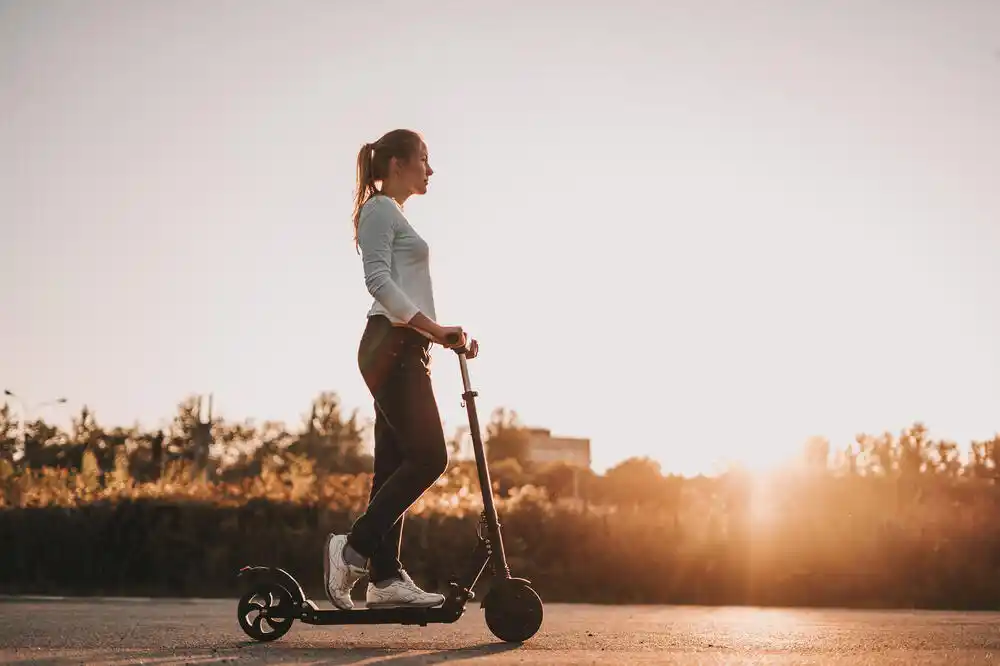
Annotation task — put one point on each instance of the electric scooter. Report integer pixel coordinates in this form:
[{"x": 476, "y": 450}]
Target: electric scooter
[{"x": 513, "y": 610}]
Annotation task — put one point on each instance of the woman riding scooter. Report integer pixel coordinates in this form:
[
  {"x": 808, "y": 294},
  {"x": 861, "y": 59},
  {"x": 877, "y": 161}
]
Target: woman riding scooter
[{"x": 393, "y": 356}]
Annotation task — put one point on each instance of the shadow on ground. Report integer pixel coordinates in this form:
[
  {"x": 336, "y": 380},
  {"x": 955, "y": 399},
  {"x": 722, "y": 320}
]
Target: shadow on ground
[{"x": 254, "y": 652}]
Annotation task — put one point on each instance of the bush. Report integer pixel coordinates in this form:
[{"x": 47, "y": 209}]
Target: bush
[{"x": 799, "y": 539}]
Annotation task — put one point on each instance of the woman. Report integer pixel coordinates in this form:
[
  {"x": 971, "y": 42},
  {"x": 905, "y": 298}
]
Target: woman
[{"x": 410, "y": 448}]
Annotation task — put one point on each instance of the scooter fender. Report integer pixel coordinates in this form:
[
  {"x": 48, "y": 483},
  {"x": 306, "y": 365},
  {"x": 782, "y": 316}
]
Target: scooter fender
[
  {"x": 502, "y": 584},
  {"x": 249, "y": 576}
]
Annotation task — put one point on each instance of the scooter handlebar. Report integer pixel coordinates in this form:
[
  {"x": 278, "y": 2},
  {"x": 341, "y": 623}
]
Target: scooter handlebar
[{"x": 452, "y": 338}]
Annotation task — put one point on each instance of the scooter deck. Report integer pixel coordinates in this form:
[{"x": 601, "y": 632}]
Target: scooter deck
[{"x": 313, "y": 614}]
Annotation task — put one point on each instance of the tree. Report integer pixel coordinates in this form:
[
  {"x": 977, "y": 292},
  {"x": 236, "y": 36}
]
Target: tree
[
  {"x": 506, "y": 438},
  {"x": 455, "y": 443},
  {"x": 845, "y": 461},
  {"x": 8, "y": 434},
  {"x": 505, "y": 475},
  {"x": 37, "y": 452},
  {"x": 878, "y": 454},
  {"x": 635, "y": 482},
  {"x": 332, "y": 442},
  {"x": 817, "y": 454},
  {"x": 85, "y": 429},
  {"x": 914, "y": 450},
  {"x": 192, "y": 436},
  {"x": 945, "y": 459},
  {"x": 562, "y": 479},
  {"x": 985, "y": 459}
]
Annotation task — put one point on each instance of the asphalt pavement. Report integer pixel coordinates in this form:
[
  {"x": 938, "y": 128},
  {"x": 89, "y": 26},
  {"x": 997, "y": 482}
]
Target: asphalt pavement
[{"x": 132, "y": 631}]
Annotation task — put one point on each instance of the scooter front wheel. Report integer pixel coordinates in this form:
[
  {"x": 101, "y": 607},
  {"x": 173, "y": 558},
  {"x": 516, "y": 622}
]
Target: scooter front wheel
[
  {"x": 265, "y": 612},
  {"x": 513, "y": 610}
]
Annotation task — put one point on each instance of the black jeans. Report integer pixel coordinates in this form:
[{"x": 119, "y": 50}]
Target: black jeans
[{"x": 410, "y": 448}]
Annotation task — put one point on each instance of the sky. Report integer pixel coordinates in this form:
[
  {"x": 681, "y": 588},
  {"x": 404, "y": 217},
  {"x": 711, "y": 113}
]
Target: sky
[{"x": 696, "y": 231}]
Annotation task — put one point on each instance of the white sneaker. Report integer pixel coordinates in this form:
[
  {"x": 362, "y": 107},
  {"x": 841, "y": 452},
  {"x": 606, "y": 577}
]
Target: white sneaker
[
  {"x": 402, "y": 592},
  {"x": 339, "y": 577}
]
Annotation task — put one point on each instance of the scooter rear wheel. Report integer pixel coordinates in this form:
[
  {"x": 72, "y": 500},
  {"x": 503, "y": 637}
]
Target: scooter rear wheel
[
  {"x": 260, "y": 602},
  {"x": 513, "y": 611}
]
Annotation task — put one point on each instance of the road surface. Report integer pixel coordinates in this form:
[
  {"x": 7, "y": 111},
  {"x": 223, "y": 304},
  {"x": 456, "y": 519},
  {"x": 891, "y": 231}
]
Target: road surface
[{"x": 130, "y": 631}]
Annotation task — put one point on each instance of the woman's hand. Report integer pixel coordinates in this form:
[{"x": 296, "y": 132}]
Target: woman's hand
[
  {"x": 472, "y": 347},
  {"x": 448, "y": 331},
  {"x": 440, "y": 334}
]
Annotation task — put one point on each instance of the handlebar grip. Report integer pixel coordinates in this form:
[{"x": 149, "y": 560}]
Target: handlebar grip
[{"x": 452, "y": 338}]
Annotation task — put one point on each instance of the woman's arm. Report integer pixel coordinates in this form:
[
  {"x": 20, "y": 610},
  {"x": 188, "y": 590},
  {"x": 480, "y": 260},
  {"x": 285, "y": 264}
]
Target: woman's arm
[
  {"x": 376, "y": 229},
  {"x": 375, "y": 232},
  {"x": 424, "y": 323}
]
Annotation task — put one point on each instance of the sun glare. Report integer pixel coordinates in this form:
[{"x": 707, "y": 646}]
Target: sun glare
[{"x": 763, "y": 508}]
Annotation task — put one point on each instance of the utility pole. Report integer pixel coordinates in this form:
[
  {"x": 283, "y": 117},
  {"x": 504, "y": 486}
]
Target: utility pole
[{"x": 203, "y": 439}]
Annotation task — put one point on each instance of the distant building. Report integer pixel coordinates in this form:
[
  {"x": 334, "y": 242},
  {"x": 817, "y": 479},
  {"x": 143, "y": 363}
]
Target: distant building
[{"x": 543, "y": 448}]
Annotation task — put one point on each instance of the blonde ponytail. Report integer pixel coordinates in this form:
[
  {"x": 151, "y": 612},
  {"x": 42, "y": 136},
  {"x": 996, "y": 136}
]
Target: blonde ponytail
[
  {"x": 365, "y": 185},
  {"x": 373, "y": 165}
]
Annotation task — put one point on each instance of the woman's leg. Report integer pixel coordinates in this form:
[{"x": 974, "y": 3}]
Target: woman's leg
[
  {"x": 385, "y": 564},
  {"x": 407, "y": 402},
  {"x": 395, "y": 366}
]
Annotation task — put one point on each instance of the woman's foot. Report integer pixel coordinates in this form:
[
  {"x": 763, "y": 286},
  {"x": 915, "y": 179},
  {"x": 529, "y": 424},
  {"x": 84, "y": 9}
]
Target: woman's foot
[
  {"x": 339, "y": 576},
  {"x": 399, "y": 593}
]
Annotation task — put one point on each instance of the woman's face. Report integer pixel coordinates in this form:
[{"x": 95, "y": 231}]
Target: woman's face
[{"x": 416, "y": 173}]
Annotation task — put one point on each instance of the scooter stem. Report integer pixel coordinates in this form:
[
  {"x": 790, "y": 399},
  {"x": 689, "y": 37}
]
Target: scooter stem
[
  {"x": 497, "y": 554},
  {"x": 463, "y": 364}
]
